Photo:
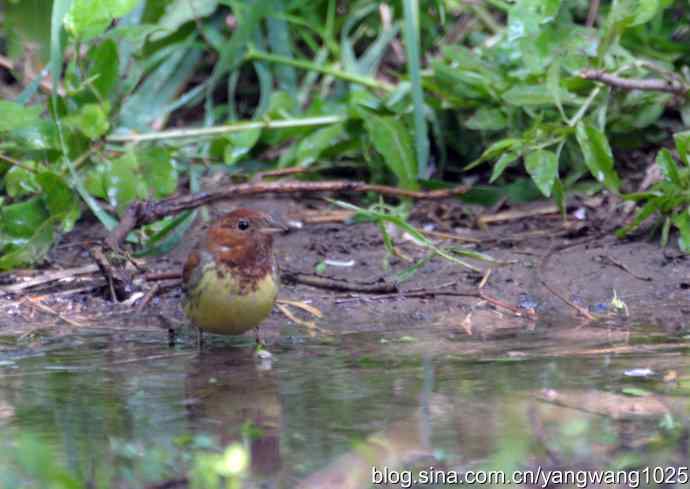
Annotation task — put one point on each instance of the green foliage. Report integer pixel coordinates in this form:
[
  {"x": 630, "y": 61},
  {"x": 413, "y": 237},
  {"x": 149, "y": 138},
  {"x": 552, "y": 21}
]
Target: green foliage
[
  {"x": 32, "y": 462},
  {"x": 384, "y": 215},
  {"x": 669, "y": 198},
  {"x": 322, "y": 83}
]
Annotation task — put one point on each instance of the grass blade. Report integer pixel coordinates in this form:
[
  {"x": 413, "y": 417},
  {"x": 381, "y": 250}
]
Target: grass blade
[{"x": 411, "y": 37}]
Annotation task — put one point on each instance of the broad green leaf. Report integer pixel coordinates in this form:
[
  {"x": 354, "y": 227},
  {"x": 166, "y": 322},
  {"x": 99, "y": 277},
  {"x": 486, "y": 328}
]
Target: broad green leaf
[
  {"x": 392, "y": 140},
  {"x": 30, "y": 250},
  {"x": 542, "y": 166},
  {"x": 15, "y": 116},
  {"x": 240, "y": 144},
  {"x": 665, "y": 161},
  {"x": 158, "y": 170},
  {"x": 41, "y": 135},
  {"x": 553, "y": 85},
  {"x": 20, "y": 220},
  {"x": 644, "y": 11},
  {"x": 311, "y": 147},
  {"x": 682, "y": 140},
  {"x": 487, "y": 119},
  {"x": 597, "y": 154},
  {"x": 104, "y": 68},
  {"x": 59, "y": 199},
  {"x": 94, "y": 181},
  {"x": 19, "y": 181},
  {"x": 499, "y": 167},
  {"x": 682, "y": 222},
  {"x": 122, "y": 183},
  {"x": 180, "y": 12},
  {"x": 91, "y": 120},
  {"x": 496, "y": 149},
  {"x": 87, "y": 19}
]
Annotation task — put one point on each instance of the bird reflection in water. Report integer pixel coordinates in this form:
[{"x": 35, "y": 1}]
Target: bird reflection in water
[{"x": 230, "y": 394}]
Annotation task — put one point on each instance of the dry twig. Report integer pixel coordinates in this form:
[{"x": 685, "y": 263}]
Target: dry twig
[
  {"x": 651, "y": 84},
  {"x": 339, "y": 285},
  {"x": 145, "y": 212}
]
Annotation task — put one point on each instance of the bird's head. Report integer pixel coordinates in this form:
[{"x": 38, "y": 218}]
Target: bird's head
[{"x": 243, "y": 237}]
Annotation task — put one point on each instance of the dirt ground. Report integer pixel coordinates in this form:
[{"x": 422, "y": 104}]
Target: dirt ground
[{"x": 553, "y": 268}]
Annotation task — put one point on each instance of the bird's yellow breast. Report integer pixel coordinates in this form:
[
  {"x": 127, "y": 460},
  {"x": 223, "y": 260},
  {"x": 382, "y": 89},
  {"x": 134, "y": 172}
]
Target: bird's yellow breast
[{"x": 218, "y": 304}]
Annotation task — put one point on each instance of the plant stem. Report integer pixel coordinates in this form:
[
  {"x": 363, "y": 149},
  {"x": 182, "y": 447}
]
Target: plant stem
[
  {"x": 16, "y": 163},
  {"x": 226, "y": 129},
  {"x": 326, "y": 70}
]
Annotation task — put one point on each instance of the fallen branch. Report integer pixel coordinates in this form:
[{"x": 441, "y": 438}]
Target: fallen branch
[
  {"x": 651, "y": 84},
  {"x": 49, "y": 277},
  {"x": 339, "y": 285},
  {"x": 145, "y": 212}
]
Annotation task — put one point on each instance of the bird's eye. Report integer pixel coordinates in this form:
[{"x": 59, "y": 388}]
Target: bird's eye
[{"x": 243, "y": 225}]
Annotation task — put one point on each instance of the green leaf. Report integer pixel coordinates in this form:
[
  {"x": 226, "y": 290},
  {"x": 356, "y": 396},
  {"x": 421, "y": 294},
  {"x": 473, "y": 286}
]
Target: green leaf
[
  {"x": 597, "y": 154},
  {"x": 499, "y": 167},
  {"x": 311, "y": 147},
  {"x": 15, "y": 116},
  {"x": 170, "y": 236},
  {"x": 31, "y": 250},
  {"x": 87, "y": 19},
  {"x": 59, "y": 199},
  {"x": 682, "y": 222},
  {"x": 644, "y": 11},
  {"x": 122, "y": 183},
  {"x": 636, "y": 392},
  {"x": 647, "y": 210},
  {"x": 20, "y": 181},
  {"x": 668, "y": 167},
  {"x": 487, "y": 119},
  {"x": 392, "y": 140},
  {"x": 529, "y": 96},
  {"x": 42, "y": 135},
  {"x": 682, "y": 140},
  {"x": 20, "y": 220},
  {"x": 104, "y": 68},
  {"x": 91, "y": 120},
  {"x": 559, "y": 196},
  {"x": 542, "y": 165},
  {"x": 179, "y": 12},
  {"x": 240, "y": 144},
  {"x": 553, "y": 85},
  {"x": 159, "y": 171},
  {"x": 496, "y": 149}
]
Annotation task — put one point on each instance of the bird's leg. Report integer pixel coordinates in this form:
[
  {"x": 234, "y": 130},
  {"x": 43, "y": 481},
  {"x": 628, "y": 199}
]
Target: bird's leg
[
  {"x": 172, "y": 337},
  {"x": 199, "y": 339},
  {"x": 259, "y": 343}
]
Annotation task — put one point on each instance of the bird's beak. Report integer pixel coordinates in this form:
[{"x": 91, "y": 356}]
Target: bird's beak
[{"x": 273, "y": 226}]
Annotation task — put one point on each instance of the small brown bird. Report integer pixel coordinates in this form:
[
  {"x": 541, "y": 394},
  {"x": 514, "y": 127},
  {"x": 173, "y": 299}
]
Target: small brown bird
[{"x": 230, "y": 278}]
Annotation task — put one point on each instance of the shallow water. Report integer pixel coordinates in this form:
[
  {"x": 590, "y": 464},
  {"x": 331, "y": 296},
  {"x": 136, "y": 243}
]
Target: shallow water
[{"x": 326, "y": 411}]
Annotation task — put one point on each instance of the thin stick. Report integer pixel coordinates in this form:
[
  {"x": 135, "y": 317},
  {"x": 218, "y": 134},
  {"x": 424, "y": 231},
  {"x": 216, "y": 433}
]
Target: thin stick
[
  {"x": 540, "y": 272},
  {"x": 145, "y": 212},
  {"x": 651, "y": 84},
  {"x": 339, "y": 285},
  {"x": 46, "y": 309},
  {"x": 50, "y": 277},
  {"x": 16, "y": 163},
  {"x": 593, "y": 13}
]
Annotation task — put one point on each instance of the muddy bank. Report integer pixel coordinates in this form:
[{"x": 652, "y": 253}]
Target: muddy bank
[{"x": 552, "y": 268}]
